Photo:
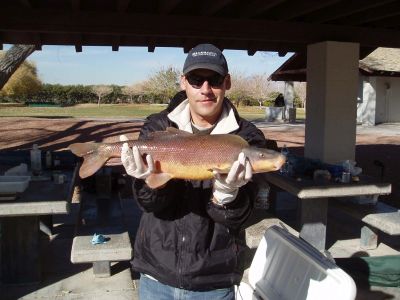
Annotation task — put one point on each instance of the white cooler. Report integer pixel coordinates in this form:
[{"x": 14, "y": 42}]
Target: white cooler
[{"x": 288, "y": 268}]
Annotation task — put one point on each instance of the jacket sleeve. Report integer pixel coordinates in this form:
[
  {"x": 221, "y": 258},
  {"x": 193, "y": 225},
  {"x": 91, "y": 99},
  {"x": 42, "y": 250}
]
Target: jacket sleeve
[
  {"x": 153, "y": 200},
  {"x": 234, "y": 214}
]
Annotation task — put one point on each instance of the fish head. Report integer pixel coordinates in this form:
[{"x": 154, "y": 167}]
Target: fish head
[{"x": 264, "y": 160}]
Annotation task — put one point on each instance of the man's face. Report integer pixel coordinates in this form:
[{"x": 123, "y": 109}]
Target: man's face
[{"x": 205, "y": 90}]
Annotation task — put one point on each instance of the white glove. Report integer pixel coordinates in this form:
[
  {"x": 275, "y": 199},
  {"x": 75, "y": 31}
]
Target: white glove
[
  {"x": 226, "y": 187},
  {"x": 133, "y": 162}
]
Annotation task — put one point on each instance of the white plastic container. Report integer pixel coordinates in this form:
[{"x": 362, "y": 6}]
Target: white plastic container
[
  {"x": 288, "y": 268},
  {"x": 36, "y": 159},
  {"x": 13, "y": 184}
]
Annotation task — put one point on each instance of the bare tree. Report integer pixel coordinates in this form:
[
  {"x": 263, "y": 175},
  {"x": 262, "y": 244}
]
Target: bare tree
[
  {"x": 300, "y": 89},
  {"x": 12, "y": 59},
  {"x": 136, "y": 89},
  {"x": 129, "y": 91},
  {"x": 164, "y": 83},
  {"x": 259, "y": 87},
  {"x": 101, "y": 91},
  {"x": 239, "y": 89}
]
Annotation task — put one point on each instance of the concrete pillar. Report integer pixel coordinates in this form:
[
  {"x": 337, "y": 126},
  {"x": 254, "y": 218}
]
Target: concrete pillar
[
  {"x": 288, "y": 95},
  {"x": 332, "y": 84}
]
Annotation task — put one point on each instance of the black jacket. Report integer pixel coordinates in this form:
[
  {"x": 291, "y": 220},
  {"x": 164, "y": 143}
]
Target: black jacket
[{"x": 184, "y": 240}]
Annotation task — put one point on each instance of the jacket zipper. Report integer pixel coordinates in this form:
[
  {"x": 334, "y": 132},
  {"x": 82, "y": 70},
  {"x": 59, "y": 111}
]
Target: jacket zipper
[{"x": 180, "y": 256}]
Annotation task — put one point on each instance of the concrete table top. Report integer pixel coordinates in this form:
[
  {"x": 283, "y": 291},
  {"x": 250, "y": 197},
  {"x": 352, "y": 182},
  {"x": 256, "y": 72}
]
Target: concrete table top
[
  {"x": 41, "y": 198},
  {"x": 308, "y": 189}
]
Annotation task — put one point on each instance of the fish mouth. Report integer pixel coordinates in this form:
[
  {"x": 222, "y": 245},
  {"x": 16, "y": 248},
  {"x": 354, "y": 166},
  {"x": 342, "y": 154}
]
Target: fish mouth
[{"x": 279, "y": 162}]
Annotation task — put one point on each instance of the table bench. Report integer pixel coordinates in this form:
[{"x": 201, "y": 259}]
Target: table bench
[
  {"x": 380, "y": 217},
  {"x": 107, "y": 221},
  {"x": 117, "y": 248},
  {"x": 313, "y": 200}
]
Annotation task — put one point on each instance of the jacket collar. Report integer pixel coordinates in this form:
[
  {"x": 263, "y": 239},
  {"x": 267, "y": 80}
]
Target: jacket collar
[{"x": 226, "y": 124}]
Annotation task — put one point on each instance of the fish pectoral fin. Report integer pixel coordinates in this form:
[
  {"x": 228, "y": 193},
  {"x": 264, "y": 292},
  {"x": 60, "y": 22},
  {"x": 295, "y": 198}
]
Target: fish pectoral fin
[
  {"x": 220, "y": 170},
  {"x": 159, "y": 179}
]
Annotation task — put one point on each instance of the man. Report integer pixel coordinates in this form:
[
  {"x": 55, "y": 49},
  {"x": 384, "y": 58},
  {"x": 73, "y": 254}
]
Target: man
[{"x": 187, "y": 245}]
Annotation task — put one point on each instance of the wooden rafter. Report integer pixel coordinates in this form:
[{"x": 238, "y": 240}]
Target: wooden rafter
[
  {"x": 76, "y": 5},
  {"x": 211, "y": 8},
  {"x": 373, "y": 14},
  {"x": 167, "y": 6},
  {"x": 26, "y": 3},
  {"x": 299, "y": 8},
  {"x": 122, "y": 5},
  {"x": 258, "y": 7},
  {"x": 345, "y": 9},
  {"x": 197, "y": 27}
]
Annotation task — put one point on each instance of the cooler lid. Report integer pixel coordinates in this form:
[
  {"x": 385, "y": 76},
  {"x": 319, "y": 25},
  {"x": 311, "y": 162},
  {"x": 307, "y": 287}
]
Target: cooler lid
[{"x": 287, "y": 267}]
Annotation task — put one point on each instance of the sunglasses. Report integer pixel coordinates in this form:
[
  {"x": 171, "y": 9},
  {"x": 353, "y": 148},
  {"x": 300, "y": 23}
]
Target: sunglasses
[{"x": 197, "y": 81}]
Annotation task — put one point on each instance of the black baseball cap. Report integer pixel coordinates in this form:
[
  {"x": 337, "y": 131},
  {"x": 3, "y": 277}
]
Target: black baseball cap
[{"x": 206, "y": 56}]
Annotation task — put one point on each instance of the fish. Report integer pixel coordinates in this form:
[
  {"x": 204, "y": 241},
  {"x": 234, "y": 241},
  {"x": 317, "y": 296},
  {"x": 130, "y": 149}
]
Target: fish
[{"x": 179, "y": 154}]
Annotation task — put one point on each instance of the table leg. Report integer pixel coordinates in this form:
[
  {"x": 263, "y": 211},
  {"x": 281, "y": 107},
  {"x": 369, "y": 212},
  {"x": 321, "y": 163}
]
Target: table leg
[
  {"x": 20, "y": 250},
  {"x": 312, "y": 220}
]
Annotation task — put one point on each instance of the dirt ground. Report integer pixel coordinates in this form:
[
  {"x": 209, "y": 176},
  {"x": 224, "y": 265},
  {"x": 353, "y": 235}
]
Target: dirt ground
[{"x": 377, "y": 149}]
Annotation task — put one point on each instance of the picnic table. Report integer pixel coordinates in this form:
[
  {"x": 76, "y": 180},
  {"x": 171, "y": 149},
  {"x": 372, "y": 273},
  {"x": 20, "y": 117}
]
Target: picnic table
[
  {"x": 313, "y": 200},
  {"x": 19, "y": 219}
]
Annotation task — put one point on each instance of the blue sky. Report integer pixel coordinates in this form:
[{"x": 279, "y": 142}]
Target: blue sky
[{"x": 101, "y": 65}]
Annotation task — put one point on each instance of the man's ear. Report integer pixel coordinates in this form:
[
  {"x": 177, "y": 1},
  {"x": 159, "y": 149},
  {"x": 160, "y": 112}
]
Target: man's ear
[
  {"x": 183, "y": 82},
  {"x": 228, "y": 82}
]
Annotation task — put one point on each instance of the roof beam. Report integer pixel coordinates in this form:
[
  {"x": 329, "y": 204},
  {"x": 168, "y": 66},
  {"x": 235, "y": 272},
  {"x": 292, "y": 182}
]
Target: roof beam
[
  {"x": 167, "y": 6},
  {"x": 299, "y": 8},
  {"x": 345, "y": 9},
  {"x": 373, "y": 14},
  {"x": 151, "y": 48},
  {"x": 38, "y": 42},
  {"x": 257, "y": 7},
  {"x": 78, "y": 42},
  {"x": 213, "y": 7},
  {"x": 116, "y": 42},
  {"x": 159, "y": 28},
  {"x": 392, "y": 22},
  {"x": 122, "y": 5},
  {"x": 76, "y": 5},
  {"x": 26, "y": 3}
]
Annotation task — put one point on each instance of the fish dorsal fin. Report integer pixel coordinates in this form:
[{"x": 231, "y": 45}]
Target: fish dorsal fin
[
  {"x": 170, "y": 131},
  {"x": 177, "y": 131},
  {"x": 156, "y": 134}
]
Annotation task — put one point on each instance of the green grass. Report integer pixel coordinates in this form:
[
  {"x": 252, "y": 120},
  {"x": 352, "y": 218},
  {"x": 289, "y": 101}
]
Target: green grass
[{"x": 112, "y": 111}]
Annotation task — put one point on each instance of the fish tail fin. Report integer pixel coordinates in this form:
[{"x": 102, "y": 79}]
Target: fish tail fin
[{"x": 93, "y": 158}]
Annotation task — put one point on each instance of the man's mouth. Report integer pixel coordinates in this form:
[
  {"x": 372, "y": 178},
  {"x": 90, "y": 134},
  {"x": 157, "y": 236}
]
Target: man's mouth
[{"x": 207, "y": 100}]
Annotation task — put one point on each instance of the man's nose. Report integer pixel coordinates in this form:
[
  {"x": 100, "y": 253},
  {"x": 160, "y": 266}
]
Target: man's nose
[{"x": 206, "y": 87}]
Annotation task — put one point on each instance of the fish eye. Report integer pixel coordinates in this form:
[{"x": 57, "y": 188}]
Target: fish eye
[{"x": 261, "y": 155}]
